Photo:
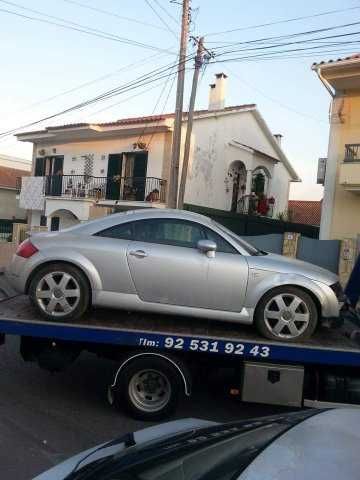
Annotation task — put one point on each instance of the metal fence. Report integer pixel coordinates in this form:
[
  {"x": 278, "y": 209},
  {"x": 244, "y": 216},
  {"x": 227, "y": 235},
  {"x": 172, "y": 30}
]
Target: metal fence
[
  {"x": 106, "y": 188},
  {"x": 254, "y": 225},
  {"x": 6, "y": 230}
]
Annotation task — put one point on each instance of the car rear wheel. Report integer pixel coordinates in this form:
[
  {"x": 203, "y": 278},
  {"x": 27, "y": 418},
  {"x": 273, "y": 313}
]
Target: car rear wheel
[
  {"x": 60, "y": 292},
  {"x": 287, "y": 314}
]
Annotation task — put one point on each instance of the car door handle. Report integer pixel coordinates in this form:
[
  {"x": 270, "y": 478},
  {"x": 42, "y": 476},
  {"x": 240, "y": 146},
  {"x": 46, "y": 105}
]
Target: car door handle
[{"x": 138, "y": 253}]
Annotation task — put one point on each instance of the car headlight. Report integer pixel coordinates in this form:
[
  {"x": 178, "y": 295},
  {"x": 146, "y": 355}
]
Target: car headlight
[{"x": 339, "y": 292}]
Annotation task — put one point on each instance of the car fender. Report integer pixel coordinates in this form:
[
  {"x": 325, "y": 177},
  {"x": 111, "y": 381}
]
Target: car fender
[
  {"x": 261, "y": 281},
  {"x": 51, "y": 255}
]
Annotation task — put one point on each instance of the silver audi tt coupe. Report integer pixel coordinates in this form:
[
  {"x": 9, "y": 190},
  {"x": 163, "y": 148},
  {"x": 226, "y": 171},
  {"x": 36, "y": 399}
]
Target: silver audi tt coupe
[{"x": 175, "y": 263}]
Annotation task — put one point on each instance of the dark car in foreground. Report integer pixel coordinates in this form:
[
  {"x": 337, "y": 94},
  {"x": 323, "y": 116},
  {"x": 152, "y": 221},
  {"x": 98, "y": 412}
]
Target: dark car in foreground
[{"x": 310, "y": 444}]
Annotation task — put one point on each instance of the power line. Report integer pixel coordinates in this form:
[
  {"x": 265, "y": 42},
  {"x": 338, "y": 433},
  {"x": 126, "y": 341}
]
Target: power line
[
  {"x": 113, "y": 14},
  {"x": 88, "y": 31},
  {"x": 288, "y": 36},
  {"x": 143, "y": 80},
  {"x": 124, "y": 100},
  {"x": 297, "y": 42},
  {"x": 167, "y": 13},
  {"x": 171, "y": 74},
  {"x": 128, "y": 67},
  {"x": 259, "y": 55},
  {"x": 161, "y": 19},
  {"x": 277, "y": 22},
  {"x": 281, "y": 104}
]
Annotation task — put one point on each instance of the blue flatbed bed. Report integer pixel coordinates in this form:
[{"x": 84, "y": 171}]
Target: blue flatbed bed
[{"x": 154, "y": 332}]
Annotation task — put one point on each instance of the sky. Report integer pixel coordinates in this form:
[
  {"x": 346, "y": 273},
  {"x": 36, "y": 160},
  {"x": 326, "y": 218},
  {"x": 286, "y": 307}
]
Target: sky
[{"x": 46, "y": 68}]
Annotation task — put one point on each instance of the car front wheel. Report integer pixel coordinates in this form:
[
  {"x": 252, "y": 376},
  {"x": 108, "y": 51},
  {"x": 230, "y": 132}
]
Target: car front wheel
[
  {"x": 287, "y": 314},
  {"x": 60, "y": 292}
]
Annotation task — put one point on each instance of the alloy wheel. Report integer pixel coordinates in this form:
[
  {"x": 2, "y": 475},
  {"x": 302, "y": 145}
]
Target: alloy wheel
[
  {"x": 58, "y": 293},
  {"x": 286, "y": 316}
]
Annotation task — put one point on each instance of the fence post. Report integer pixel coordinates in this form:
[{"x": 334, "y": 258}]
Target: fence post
[
  {"x": 290, "y": 244},
  {"x": 18, "y": 232},
  {"x": 348, "y": 251}
]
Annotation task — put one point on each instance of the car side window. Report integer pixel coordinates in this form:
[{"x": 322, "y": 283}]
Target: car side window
[
  {"x": 223, "y": 245},
  {"x": 123, "y": 231},
  {"x": 169, "y": 231}
]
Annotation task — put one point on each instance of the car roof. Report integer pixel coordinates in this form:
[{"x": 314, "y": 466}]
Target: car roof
[
  {"x": 325, "y": 445},
  {"x": 134, "y": 215}
]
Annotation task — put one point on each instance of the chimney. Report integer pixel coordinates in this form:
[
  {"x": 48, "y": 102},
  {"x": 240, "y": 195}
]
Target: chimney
[
  {"x": 278, "y": 138},
  {"x": 217, "y": 92}
]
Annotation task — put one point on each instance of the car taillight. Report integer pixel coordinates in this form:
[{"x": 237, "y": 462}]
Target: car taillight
[{"x": 26, "y": 249}]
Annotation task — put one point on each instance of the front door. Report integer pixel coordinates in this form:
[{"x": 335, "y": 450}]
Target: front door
[
  {"x": 165, "y": 265},
  {"x": 113, "y": 181}
]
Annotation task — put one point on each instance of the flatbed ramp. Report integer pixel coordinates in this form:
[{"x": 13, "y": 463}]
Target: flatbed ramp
[{"x": 179, "y": 334}]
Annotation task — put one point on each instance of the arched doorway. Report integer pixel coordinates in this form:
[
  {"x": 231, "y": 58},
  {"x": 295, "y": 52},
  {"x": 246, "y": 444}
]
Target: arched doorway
[
  {"x": 61, "y": 219},
  {"x": 260, "y": 181},
  {"x": 237, "y": 174}
]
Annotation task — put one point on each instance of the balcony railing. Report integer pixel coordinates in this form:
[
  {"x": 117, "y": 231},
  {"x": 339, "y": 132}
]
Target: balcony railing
[
  {"x": 352, "y": 152},
  {"x": 140, "y": 189}
]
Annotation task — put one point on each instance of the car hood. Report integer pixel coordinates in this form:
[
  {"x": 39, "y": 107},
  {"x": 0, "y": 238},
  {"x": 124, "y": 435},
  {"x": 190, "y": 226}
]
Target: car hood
[
  {"x": 280, "y": 264},
  {"x": 150, "y": 434}
]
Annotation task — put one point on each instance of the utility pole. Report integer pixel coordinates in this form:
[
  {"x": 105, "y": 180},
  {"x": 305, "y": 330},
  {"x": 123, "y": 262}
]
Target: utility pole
[
  {"x": 175, "y": 153},
  {"x": 185, "y": 165}
]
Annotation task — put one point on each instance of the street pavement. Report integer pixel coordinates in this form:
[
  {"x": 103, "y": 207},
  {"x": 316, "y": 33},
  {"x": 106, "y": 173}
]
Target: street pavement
[{"x": 45, "y": 418}]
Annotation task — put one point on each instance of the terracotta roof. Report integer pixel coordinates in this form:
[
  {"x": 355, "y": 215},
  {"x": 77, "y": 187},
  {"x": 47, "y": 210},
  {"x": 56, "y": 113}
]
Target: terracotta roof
[
  {"x": 138, "y": 120},
  {"x": 305, "y": 211},
  {"x": 338, "y": 60},
  {"x": 8, "y": 176}
]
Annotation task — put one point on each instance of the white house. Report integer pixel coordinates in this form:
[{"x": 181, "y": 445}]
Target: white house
[{"x": 236, "y": 164}]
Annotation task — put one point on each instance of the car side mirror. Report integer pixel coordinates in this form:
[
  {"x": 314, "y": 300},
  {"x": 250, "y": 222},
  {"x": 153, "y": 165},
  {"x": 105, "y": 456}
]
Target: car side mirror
[{"x": 208, "y": 247}]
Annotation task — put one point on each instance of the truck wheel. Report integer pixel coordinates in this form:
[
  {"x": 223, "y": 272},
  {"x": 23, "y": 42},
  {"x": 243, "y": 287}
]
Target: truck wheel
[
  {"x": 60, "y": 292},
  {"x": 287, "y": 314},
  {"x": 148, "y": 389}
]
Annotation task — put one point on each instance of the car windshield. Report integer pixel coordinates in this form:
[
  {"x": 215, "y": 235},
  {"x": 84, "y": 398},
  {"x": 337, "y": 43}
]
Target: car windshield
[
  {"x": 214, "y": 453},
  {"x": 242, "y": 243}
]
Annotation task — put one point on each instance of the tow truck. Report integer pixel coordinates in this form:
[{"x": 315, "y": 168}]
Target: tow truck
[{"x": 158, "y": 356}]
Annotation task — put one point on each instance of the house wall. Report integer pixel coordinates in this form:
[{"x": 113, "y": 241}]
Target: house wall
[
  {"x": 212, "y": 157},
  {"x": 9, "y": 205},
  {"x": 340, "y": 218}
]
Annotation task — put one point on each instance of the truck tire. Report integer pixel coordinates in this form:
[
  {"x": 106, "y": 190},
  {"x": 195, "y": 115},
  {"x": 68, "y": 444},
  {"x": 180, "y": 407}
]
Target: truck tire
[
  {"x": 148, "y": 388},
  {"x": 60, "y": 292},
  {"x": 286, "y": 314}
]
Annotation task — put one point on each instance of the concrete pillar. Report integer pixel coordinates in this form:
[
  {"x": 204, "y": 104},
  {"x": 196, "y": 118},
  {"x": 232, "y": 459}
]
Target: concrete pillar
[
  {"x": 248, "y": 182},
  {"x": 19, "y": 232},
  {"x": 348, "y": 250},
  {"x": 35, "y": 218},
  {"x": 290, "y": 244}
]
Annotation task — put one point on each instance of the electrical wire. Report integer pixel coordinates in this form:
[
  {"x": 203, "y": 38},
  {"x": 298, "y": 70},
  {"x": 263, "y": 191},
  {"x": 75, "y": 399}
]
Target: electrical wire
[
  {"x": 143, "y": 80},
  {"x": 161, "y": 18},
  {"x": 259, "y": 55},
  {"x": 81, "y": 29},
  {"x": 277, "y": 22},
  {"x": 171, "y": 74},
  {"x": 112, "y": 14},
  {"x": 288, "y": 36},
  {"x": 277, "y": 102},
  {"x": 167, "y": 13},
  {"x": 299, "y": 42},
  {"x": 130, "y": 66}
]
